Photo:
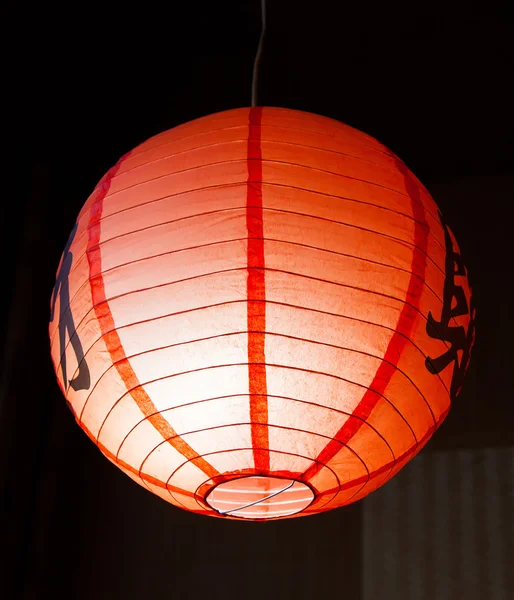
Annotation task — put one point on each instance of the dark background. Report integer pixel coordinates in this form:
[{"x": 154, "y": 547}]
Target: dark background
[{"x": 432, "y": 81}]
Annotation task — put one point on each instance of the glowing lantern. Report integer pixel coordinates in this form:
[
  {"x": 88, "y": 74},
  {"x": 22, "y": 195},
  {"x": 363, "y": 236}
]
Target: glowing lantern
[{"x": 261, "y": 314}]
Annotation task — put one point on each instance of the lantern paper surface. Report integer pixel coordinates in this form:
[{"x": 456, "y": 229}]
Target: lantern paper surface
[{"x": 259, "y": 314}]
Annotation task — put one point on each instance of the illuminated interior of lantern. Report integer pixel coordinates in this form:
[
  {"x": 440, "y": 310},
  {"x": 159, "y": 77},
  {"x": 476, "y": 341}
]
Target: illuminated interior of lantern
[
  {"x": 219, "y": 340},
  {"x": 259, "y": 497}
]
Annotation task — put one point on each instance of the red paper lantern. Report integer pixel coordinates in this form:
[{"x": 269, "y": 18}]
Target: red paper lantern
[{"x": 260, "y": 314}]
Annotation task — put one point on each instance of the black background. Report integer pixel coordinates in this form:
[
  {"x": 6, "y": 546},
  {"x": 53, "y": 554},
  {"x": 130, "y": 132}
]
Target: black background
[{"x": 432, "y": 81}]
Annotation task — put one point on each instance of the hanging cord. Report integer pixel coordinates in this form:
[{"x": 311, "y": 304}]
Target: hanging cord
[{"x": 259, "y": 52}]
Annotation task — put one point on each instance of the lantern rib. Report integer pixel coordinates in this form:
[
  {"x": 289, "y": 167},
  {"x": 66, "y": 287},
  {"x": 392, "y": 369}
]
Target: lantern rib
[
  {"x": 345, "y": 140},
  {"x": 361, "y": 481},
  {"x": 334, "y": 491},
  {"x": 269, "y": 209},
  {"x": 248, "y": 472},
  {"x": 243, "y": 141},
  {"x": 265, "y": 209},
  {"x": 289, "y": 242},
  {"x": 253, "y": 470},
  {"x": 245, "y": 364},
  {"x": 133, "y": 470},
  {"x": 224, "y": 271},
  {"x": 271, "y": 302},
  {"x": 256, "y": 471},
  {"x": 269, "y": 364},
  {"x": 310, "y": 371},
  {"x": 271, "y": 334},
  {"x": 267, "y": 141},
  {"x": 145, "y": 477},
  {"x": 391, "y": 464},
  {"x": 404, "y": 326},
  {"x": 288, "y": 398},
  {"x": 284, "y": 304},
  {"x": 199, "y": 497},
  {"x": 266, "y": 239},
  {"x": 265, "y": 161},
  {"x": 353, "y": 257},
  {"x": 264, "y": 184},
  {"x": 115, "y": 348}
]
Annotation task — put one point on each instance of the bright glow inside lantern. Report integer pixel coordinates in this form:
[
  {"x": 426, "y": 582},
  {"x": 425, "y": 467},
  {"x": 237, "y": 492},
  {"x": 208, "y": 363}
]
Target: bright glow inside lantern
[
  {"x": 261, "y": 314},
  {"x": 257, "y": 497}
]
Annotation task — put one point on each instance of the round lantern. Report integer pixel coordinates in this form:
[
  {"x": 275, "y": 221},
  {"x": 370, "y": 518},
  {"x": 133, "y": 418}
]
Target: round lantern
[{"x": 260, "y": 314}]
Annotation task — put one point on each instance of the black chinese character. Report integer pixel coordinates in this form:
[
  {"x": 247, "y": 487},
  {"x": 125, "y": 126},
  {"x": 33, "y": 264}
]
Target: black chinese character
[
  {"x": 455, "y": 305},
  {"x": 83, "y": 380}
]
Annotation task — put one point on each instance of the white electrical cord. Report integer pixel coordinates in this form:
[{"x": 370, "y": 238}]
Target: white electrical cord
[{"x": 259, "y": 52}]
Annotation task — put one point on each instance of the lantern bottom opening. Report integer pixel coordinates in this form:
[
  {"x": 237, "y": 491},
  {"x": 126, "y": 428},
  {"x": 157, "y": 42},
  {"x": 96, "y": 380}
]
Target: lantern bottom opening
[{"x": 258, "y": 497}]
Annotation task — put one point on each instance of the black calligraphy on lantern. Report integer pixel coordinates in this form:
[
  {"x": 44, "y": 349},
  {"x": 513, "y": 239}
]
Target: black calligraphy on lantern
[
  {"x": 459, "y": 341},
  {"x": 82, "y": 380}
]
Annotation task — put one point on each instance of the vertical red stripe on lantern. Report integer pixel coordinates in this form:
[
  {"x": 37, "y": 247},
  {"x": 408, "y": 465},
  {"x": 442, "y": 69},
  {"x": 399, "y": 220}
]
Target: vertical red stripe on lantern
[
  {"x": 399, "y": 338},
  {"x": 256, "y": 295},
  {"x": 112, "y": 340}
]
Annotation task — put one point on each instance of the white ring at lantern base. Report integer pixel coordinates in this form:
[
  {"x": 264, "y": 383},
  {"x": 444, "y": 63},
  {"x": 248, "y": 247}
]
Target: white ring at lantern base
[{"x": 257, "y": 497}]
